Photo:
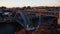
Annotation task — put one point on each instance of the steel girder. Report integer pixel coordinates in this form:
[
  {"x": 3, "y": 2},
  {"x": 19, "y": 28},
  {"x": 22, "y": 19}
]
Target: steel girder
[{"x": 25, "y": 18}]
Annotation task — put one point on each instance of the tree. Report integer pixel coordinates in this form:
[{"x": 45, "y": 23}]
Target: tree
[
  {"x": 28, "y": 7},
  {"x": 24, "y": 8},
  {"x": 3, "y": 7}
]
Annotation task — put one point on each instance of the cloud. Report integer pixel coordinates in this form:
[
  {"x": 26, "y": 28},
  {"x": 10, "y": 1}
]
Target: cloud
[{"x": 20, "y": 3}]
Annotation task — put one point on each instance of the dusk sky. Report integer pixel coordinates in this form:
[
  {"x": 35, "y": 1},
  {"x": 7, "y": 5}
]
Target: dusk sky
[{"x": 21, "y": 3}]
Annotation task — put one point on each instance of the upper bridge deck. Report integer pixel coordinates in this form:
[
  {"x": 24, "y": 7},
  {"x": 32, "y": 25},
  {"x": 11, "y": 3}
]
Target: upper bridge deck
[{"x": 30, "y": 13}]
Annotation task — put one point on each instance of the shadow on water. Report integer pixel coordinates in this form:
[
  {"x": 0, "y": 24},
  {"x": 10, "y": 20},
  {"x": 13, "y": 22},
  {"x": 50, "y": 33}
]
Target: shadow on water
[{"x": 9, "y": 28}]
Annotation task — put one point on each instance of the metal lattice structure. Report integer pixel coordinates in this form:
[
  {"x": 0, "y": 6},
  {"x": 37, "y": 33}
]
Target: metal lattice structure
[
  {"x": 27, "y": 21},
  {"x": 24, "y": 20}
]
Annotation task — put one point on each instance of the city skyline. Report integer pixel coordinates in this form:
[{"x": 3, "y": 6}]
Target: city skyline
[{"x": 21, "y": 3}]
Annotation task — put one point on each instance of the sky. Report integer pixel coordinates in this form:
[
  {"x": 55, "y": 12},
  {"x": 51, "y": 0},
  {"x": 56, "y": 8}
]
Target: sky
[{"x": 21, "y": 3}]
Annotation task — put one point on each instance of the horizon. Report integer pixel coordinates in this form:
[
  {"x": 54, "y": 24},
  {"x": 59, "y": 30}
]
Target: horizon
[{"x": 32, "y": 3}]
